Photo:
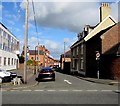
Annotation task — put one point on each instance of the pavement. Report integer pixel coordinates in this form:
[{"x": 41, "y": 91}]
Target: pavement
[
  {"x": 101, "y": 81},
  {"x": 30, "y": 81}
]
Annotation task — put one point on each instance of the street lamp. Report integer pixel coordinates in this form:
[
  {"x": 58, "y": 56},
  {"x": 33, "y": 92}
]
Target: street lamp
[{"x": 35, "y": 61}]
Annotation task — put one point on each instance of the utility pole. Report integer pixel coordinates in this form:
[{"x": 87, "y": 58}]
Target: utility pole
[
  {"x": 26, "y": 43},
  {"x": 64, "y": 51},
  {"x": 64, "y": 57}
]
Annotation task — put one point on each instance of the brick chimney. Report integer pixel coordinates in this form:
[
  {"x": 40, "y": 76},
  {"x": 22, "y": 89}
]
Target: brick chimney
[{"x": 105, "y": 10}]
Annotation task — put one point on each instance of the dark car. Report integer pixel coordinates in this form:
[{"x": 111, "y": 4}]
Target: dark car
[
  {"x": 46, "y": 74},
  {"x": 13, "y": 75}
]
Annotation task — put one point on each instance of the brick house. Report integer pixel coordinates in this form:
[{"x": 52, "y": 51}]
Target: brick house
[
  {"x": 91, "y": 41},
  {"x": 110, "y": 58},
  {"x": 42, "y": 56},
  {"x": 65, "y": 61}
]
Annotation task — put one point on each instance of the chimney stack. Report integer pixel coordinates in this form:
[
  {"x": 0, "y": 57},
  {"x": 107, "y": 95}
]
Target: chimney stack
[{"x": 105, "y": 10}]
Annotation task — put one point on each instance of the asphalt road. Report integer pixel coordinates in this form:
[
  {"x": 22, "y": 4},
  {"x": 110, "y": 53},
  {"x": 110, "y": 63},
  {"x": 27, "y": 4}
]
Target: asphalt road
[{"x": 65, "y": 90}]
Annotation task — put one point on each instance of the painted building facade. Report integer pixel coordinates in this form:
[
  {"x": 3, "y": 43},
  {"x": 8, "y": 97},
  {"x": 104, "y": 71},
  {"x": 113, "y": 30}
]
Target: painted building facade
[{"x": 9, "y": 49}]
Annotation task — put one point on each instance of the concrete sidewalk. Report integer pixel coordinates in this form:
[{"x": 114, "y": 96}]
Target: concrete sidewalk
[
  {"x": 100, "y": 81},
  {"x": 30, "y": 81}
]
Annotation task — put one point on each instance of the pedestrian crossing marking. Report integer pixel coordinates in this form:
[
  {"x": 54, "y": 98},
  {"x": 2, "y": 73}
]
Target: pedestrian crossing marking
[{"x": 63, "y": 90}]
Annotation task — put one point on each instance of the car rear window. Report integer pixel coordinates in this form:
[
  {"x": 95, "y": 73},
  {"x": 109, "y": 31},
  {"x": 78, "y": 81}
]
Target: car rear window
[{"x": 46, "y": 70}]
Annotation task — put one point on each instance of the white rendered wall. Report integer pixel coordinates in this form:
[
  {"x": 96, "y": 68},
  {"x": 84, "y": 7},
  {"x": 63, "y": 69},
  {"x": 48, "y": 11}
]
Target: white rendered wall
[{"x": 8, "y": 55}]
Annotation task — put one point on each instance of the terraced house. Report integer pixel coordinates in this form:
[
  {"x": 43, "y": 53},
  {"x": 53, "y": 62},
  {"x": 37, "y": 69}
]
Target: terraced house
[
  {"x": 88, "y": 53},
  {"x": 9, "y": 49}
]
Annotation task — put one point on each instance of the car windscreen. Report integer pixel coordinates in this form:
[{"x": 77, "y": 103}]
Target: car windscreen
[{"x": 46, "y": 70}]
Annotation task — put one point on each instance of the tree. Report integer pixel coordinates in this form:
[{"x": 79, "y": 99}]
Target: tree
[{"x": 21, "y": 59}]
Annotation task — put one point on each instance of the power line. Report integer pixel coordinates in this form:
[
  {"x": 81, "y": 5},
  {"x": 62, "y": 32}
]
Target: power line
[{"x": 35, "y": 18}]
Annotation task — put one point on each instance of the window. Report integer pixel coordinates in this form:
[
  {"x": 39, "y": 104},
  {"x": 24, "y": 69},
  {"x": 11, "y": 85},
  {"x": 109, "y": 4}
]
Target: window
[
  {"x": 5, "y": 61},
  {"x": 12, "y": 61},
  {"x": 82, "y": 65},
  {"x": 32, "y": 58},
  {"x": 81, "y": 48},
  {"x": 37, "y": 58},
  {"x": 0, "y": 61},
  {"x": 4, "y": 34},
  {"x": 8, "y": 61},
  {"x": 0, "y": 31},
  {"x": 77, "y": 50}
]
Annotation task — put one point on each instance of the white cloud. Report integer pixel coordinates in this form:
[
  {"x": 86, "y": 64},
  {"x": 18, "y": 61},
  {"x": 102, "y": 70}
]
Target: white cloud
[
  {"x": 66, "y": 15},
  {"x": 66, "y": 40},
  {"x": 55, "y": 48},
  {"x": 33, "y": 41},
  {"x": 51, "y": 44}
]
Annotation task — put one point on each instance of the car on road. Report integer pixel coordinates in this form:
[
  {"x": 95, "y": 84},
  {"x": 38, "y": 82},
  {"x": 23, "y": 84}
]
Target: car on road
[{"x": 46, "y": 74}]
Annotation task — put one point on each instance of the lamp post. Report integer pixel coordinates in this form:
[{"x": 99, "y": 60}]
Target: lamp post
[{"x": 35, "y": 60}]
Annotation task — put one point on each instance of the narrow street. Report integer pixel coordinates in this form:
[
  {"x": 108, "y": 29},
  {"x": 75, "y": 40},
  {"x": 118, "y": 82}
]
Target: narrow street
[{"x": 65, "y": 90}]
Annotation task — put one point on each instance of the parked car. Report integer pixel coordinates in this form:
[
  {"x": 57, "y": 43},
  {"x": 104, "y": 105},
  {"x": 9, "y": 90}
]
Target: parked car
[
  {"x": 46, "y": 74},
  {"x": 4, "y": 76},
  {"x": 13, "y": 75},
  {"x": 54, "y": 67}
]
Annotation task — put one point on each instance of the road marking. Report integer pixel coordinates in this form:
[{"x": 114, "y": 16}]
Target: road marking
[
  {"x": 106, "y": 90},
  {"x": 117, "y": 90},
  {"x": 26, "y": 90},
  {"x": 51, "y": 90},
  {"x": 14, "y": 90},
  {"x": 3, "y": 90},
  {"x": 39, "y": 90},
  {"x": 77, "y": 90},
  {"x": 67, "y": 81},
  {"x": 63, "y": 90},
  {"x": 92, "y": 90}
]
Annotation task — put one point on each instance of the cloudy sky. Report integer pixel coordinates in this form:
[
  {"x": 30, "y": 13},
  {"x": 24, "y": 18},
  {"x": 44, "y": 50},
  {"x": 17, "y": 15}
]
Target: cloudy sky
[{"x": 57, "y": 22}]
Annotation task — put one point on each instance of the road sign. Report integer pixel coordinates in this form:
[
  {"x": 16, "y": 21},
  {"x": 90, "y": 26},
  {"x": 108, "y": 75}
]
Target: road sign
[{"x": 97, "y": 54}]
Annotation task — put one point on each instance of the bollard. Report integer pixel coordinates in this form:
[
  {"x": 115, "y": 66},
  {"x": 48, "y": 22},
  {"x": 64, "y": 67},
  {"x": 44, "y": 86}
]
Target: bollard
[
  {"x": 19, "y": 81},
  {"x": 14, "y": 80}
]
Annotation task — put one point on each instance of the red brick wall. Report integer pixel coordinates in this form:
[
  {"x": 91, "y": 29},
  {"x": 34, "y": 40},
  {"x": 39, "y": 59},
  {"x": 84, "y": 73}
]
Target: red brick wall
[
  {"x": 115, "y": 68},
  {"x": 110, "y": 38}
]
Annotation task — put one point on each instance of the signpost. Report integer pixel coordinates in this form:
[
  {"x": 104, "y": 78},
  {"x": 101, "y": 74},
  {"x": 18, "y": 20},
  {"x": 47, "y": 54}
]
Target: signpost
[{"x": 97, "y": 59}]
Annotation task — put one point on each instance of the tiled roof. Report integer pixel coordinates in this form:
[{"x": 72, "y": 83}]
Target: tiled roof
[{"x": 32, "y": 52}]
